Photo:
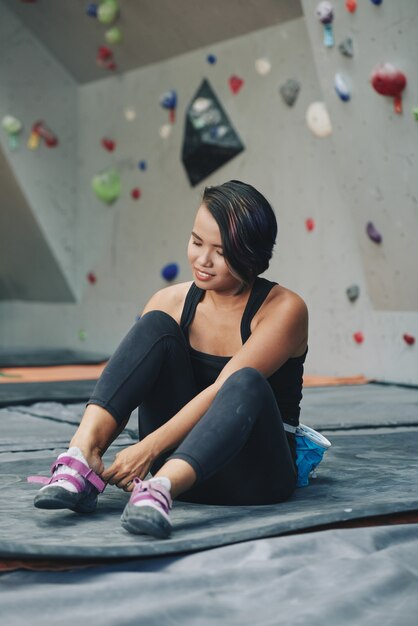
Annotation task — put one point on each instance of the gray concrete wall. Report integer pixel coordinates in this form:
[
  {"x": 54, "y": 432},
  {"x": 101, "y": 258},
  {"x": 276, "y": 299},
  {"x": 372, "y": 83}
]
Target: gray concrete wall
[
  {"x": 35, "y": 87},
  {"x": 126, "y": 244}
]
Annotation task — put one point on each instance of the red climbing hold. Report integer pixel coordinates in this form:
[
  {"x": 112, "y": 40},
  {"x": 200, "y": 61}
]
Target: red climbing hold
[
  {"x": 235, "y": 84},
  {"x": 351, "y": 5},
  {"x": 387, "y": 80},
  {"x": 91, "y": 277},
  {"x": 136, "y": 193},
  {"x": 108, "y": 144},
  {"x": 104, "y": 53},
  {"x": 409, "y": 339},
  {"x": 358, "y": 337},
  {"x": 310, "y": 224}
]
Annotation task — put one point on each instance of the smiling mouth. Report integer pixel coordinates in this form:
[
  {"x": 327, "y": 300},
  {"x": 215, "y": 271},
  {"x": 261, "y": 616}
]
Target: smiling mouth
[{"x": 202, "y": 273}]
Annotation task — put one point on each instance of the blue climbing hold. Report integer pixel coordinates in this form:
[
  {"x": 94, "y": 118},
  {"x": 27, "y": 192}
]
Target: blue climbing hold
[
  {"x": 211, "y": 59},
  {"x": 341, "y": 87},
  {"x": 142, "y": 165},
  {"x": 377, "y": 2},
  {"x": 170, "y": 271},
  {"x": 91, "y": 10}
]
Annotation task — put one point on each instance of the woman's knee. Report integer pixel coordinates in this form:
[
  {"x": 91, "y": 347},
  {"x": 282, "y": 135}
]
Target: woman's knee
[
  {"x": 157, "y": 323},
  {"x": 248, "y": 377}
]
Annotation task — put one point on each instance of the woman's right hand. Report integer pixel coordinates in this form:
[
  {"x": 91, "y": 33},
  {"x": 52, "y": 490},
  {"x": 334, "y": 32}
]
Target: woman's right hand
[{"x": 132, "y": 462}]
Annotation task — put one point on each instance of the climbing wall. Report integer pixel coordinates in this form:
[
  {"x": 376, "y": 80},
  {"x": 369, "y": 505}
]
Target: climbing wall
[
  {"x": 302, "y": 145},
  {"x": 375, "y": 146}
]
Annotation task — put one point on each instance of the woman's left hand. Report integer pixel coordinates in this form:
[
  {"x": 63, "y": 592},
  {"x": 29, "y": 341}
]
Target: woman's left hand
[{"x": 129, "y": 463}]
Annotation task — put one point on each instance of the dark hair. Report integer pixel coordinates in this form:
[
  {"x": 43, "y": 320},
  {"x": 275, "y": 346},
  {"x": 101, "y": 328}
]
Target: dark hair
[{"x": 248, "y": 228}]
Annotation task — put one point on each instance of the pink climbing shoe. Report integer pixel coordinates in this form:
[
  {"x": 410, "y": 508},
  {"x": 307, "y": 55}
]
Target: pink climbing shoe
[
  {"x": 148, "y": 510},
  {"x": 75, "y": 488}
]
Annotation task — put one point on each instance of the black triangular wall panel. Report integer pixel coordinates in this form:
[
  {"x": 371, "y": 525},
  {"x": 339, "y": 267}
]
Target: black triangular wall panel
[{"x": 210, "y": 140}]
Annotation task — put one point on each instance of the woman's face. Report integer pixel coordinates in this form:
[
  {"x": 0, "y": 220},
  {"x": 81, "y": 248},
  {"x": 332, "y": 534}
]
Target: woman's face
[{"x": 205, "y": 255}]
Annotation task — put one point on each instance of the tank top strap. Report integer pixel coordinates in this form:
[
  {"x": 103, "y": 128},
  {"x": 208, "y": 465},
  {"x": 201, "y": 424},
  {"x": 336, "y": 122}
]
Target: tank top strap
[
  {"x": 259, "y": 293},
  {"x": 193, "y": 297}
]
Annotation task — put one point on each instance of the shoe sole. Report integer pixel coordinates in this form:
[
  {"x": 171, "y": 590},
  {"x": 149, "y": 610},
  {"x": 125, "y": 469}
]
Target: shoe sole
[
  {"x": 145, "y": 520},
  {"x": 55, "y": 498}
]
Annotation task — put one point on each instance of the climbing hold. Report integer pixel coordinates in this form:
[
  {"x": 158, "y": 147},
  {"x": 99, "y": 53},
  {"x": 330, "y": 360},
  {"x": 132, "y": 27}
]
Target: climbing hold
[
  {"x": 113, "y": 35},
  {"x": 13, "y": 127},
  {"x": 263, "y": 66},
  {"x": 415, "y": 113},
  {"x": 130, "y": 114},
  {"x": 377, "y": 2},
  {"x": 104, "y": 58},
  {"x": 409, "y": 339},
  {"x": 318, "y": 120},
  {"x": 351, "y": 5},
  {"x": 211, "y": 59},
  {"x": 107, "y": 11},
  {"x": 346, "y": 47},
  {"x": 358, "y": 337},
  {"x": 142, "y": 165},
  {"x": 310, "y": 224},
  {"x": 170, "y": 271},
  {"x": 353, "y": 292},
  {"x": 108, "y": 144},
  {"x": 135, "y": 193},
  {"x": 91, "y": 277},
  {"x": 235, "y": 84},
  {"x": 341, "y": 87},
  {"x": 169, "y": 101},
  {"x": 373, "y": 233},
  {"x": 325, "y": 14},
  {"x": 387, "y": 80},
  {"x": 106, "y": 185},
  {"x": 82, "y": 335},
  {"x": 41, "y": 131},
  {"x": 91, "y": 10},
  {"x": 165, "y": 131},
  {"x": 290, "y": 91}
]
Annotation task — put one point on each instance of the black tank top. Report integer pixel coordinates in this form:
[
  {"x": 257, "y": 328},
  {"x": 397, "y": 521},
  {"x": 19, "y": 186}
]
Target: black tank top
[{"x": 286, "y": 382}]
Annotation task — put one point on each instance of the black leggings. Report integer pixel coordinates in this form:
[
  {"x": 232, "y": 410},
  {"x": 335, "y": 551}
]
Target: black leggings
[{"x": 238, "y": 449}]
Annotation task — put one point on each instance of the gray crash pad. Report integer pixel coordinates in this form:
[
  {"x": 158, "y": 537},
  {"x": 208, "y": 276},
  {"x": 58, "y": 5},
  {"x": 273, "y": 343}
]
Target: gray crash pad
[
  {"x": 12, "y": 394},
  {"x": 361, "y": 476},
  {"x": 359, "y": 406},
  {"x": 39, "y": 357},
  {"x": 44, "y": 430},
  {"x": 364, "y": 576}
]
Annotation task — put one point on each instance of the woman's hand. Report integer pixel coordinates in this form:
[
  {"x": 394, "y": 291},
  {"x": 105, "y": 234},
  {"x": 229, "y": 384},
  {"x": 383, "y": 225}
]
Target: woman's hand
[{"x": 129, "y": 463}]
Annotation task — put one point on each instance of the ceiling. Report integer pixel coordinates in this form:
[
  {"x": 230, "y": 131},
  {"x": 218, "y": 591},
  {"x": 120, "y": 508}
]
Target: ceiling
[{"x": 153, "y": 30}]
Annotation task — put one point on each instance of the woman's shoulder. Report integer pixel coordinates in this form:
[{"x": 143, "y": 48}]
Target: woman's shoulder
[
  {"x": 282, "y": 296},
  {"x": 169, "y": 299},
  {"x": 282, "y": 301}
]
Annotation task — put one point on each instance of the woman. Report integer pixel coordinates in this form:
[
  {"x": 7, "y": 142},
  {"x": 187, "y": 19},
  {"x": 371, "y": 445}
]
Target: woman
[{"x": 215, "y": 366}]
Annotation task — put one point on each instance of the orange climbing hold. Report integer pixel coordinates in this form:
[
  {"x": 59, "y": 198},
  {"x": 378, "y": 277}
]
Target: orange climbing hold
[{"x": 351, "y": 5}]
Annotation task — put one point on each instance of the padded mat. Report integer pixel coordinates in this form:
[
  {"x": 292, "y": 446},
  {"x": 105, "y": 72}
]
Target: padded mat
[
  {"x": 361, "y": 475},
  {"x": 64, "y": 391},
  {"x": 365, "y": 576},
  {"x": 24, "y": 357},
  {"x": 22, "y": 430},
  {"x": 360, "y": 406}
]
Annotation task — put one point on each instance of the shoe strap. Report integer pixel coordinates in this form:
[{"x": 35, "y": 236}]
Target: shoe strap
[
  {"x": 49, "y": 481},
  {"x": 82, "y": 469},
  {"x": 79, "y": 467},
  {"x": 145, "y": 490}
]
